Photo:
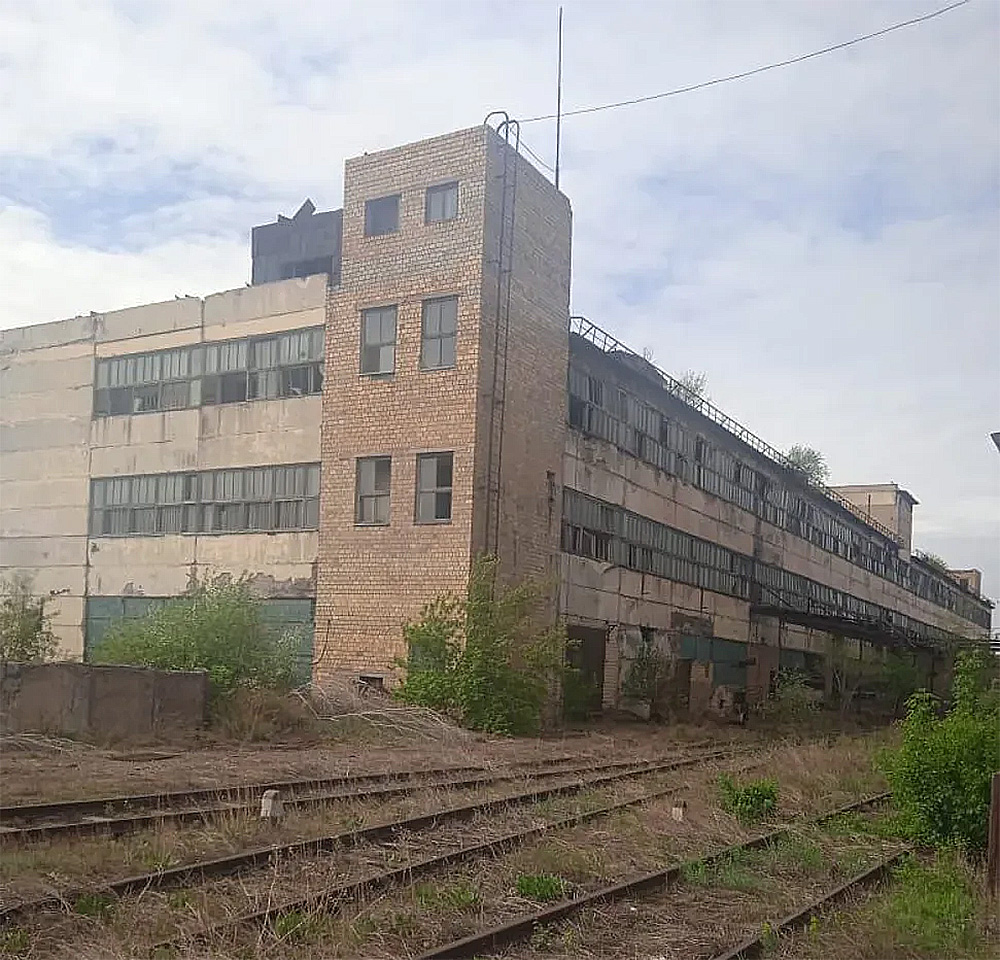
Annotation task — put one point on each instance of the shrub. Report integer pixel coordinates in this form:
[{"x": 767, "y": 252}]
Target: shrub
[
  {"x": 751, "y": 802},
  {"x": 25, "y": 633},
  {"x": 484, "y": 660},
  {"x": 794, "y": 699},
  {"x": 215, "y": 626},
  {"x": 646, "y": 673},
  {"x": 540, "y": 886},
  {"x": 940, "y": 774}
]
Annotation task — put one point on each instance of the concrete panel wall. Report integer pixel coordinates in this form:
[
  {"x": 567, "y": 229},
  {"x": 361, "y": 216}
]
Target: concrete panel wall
[
  {"x": 51, "y": 447},
  {"x": 72, "y": 699}
]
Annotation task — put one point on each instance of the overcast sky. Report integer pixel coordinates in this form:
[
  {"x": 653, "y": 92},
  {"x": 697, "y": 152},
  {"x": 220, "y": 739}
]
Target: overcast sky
[{"x": 823, "y": 240}]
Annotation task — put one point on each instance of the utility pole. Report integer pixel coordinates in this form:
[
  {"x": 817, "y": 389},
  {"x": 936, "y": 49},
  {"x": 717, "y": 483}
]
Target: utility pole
[{"x": 559, "y": 100}]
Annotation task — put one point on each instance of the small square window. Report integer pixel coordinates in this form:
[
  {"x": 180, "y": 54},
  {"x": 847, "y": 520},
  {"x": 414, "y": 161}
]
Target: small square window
[
  {"x": 441, "y": 203},
  {"x": 378, "y": 340},
  {"x": 434, "y": 479},
  {"x": 440, "y": 322},
  {"x": 382, "y": 216},
  {"x": 373, "y": 482}
]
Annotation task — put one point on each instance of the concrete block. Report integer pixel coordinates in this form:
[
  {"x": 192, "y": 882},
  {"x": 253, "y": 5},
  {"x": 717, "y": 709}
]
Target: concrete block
[
  {"x": 43, "y": 434},
  {"x": 32, "y": 553},
  {"x": 267, "y": 300}
]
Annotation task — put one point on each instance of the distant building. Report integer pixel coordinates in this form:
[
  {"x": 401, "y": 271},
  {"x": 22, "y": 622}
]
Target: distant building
[
  {"x": 886, "y": 502},
  {"x": 402, "y": 388}
]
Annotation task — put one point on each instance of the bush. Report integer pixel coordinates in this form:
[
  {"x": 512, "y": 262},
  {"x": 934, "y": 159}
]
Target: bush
[
  {"x": 940, "y": 774},
  {"x": 215, "y": 626},
  {"x": 484, "y": 660},
  {"x": 25, "y": 634},
  {"x": 751, "y": 802},
  {"x": 647, "y": 671},
  {"x": 794, "y": 699}
]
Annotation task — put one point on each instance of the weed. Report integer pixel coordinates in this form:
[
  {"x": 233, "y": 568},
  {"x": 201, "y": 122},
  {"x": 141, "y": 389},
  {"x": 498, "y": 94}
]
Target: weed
[
  {"x": 940, "y": 775},
  {"x": 458, "y": 897},
  {"x": 730, "y": 871},
  {"x": 751, "y": 802},
  {"x": 540, "y": 886},
  {"x": 933, "y": 908},
  {"x": 179, "y": 900},
  {"x": 14, "y": 942},
  {"x": 544, "y": 937},
  {"x": 798, "y": 851},
  {"x": 768, "y": 936},
  {"x": 97, "y": 906}
]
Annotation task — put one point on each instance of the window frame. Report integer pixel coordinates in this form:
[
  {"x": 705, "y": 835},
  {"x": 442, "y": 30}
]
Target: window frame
[
  {"x": 435, "y": 491},
  {"x": 442, "y": 190},
  {"x": 370, "y": 214},
  {"x": 361, "y": 496},
  {"x": 381, "y": 344},
  {"x": 438, "y": 337}
]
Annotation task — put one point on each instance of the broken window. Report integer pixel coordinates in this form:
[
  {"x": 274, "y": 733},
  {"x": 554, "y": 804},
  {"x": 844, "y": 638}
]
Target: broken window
[
  {"x": 382, "y": 216},
  {"x": 214, "y": 501},
  {"x": 434, "y": 479},
  {"x": 373, "y": 483},
  {"x": 441, "y": 202},
  {"x": 378, "y": 340},
  {"x": 440, "y": 323}
]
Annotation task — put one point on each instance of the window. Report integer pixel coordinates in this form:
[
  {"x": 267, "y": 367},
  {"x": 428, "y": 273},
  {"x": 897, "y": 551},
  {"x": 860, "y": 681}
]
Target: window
[
  {"x": 374, "y": 480},
  {"x": 239, "y": 500},
  {"x": 434, "y": 487},
  {"x": 382, "y": 216},
  {"x": 378, "y": 340},
  {"x": 441, "y": 203},
  {"x": 231, "y": 371},
  {"x": 440, "y": 321}
]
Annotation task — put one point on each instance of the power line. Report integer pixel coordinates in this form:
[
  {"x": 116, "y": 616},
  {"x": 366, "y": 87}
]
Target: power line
[
  {"x": 537, "y": 158},
  {"x": 754, "y": 71}
]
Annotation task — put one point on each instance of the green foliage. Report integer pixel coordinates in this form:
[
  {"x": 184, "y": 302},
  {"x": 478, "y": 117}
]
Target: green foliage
[
  {"x": 932, "y": 560},
  {"x": 298, "y": 926},
  {"x": 98, "y": 906},
  {"x": 541, "y": 887},
  {"x": 484, "y": 660},
  {"x": 809, "y": 462},
  {"x": 751, "y": 802},
  {"x": 794, "y": 700},
  {"x": 933, "y": 905},
  {"x": 14, "y": 942},
  {"x": 25, "y": 632},
  {"x": 940, "y": 774},
  {"x": 646, "y": 673},
  {"x": 215, "y": 626},
  {"x": 455, "y": 897}
]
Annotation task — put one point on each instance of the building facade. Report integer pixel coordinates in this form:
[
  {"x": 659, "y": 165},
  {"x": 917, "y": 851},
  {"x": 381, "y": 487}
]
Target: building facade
[{"x": 401, "y": 389}]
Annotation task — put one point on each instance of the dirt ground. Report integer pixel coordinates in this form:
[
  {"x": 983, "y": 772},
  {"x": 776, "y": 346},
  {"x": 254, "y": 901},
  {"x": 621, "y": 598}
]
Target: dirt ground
[{"x": 36, "y": 769}]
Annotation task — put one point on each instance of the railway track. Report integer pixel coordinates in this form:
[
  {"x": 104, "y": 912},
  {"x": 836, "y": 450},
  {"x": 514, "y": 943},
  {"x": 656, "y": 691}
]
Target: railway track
[
  {"x": 521, "y": 928},
  {"x": 227, "y": 866},
  {"x": 34, "y": 822}
]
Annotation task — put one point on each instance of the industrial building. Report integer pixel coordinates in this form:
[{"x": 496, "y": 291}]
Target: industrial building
[{"x": 401, "y": 388}]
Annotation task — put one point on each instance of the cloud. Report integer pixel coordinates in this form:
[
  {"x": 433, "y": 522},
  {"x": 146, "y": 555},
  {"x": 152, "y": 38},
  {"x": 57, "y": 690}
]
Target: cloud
[{"x": 822, "y": 240}]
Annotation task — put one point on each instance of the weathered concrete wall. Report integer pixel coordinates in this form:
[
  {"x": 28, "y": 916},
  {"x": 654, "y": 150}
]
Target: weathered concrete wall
[
  {"x": 50, "y": 447},
  {"x": 74, "y": 699},
  {"x": 46, "y": 393}
]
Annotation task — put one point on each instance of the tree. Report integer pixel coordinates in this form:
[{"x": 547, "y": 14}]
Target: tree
[
  {"x": 693, "y": 382},
  {"x": 25, "y": 634},
  {"x": 809, "y": 462}
]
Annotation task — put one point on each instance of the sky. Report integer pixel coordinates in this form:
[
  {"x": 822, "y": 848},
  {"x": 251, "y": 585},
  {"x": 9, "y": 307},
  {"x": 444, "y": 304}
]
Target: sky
[{"x": 822, "y": 240}]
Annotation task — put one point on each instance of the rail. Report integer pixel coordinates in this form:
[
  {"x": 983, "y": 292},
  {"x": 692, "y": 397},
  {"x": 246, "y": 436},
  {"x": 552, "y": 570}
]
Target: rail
[{"x": 606, "y": 343}]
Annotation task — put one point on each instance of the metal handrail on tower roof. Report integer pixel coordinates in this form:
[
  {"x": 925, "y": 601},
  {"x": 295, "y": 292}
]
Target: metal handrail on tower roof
[{"x": 605, "y": 342}]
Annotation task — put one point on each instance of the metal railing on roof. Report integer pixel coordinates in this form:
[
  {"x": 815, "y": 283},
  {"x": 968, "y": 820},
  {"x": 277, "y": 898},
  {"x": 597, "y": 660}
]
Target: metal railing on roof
[{"x": 605, "y": 342}]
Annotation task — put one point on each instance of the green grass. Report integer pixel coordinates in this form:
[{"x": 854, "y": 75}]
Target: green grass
[
  {"x": 455, "y": 897},
  {"x": 14, "y": 942},
  {"x": 749, "y": 803},
  {"x": 541, "y": 887},
  {"x": 732, "y": 871},
  {"x": 97, "y": 906},
  {"x": 933, "y": 906}
]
